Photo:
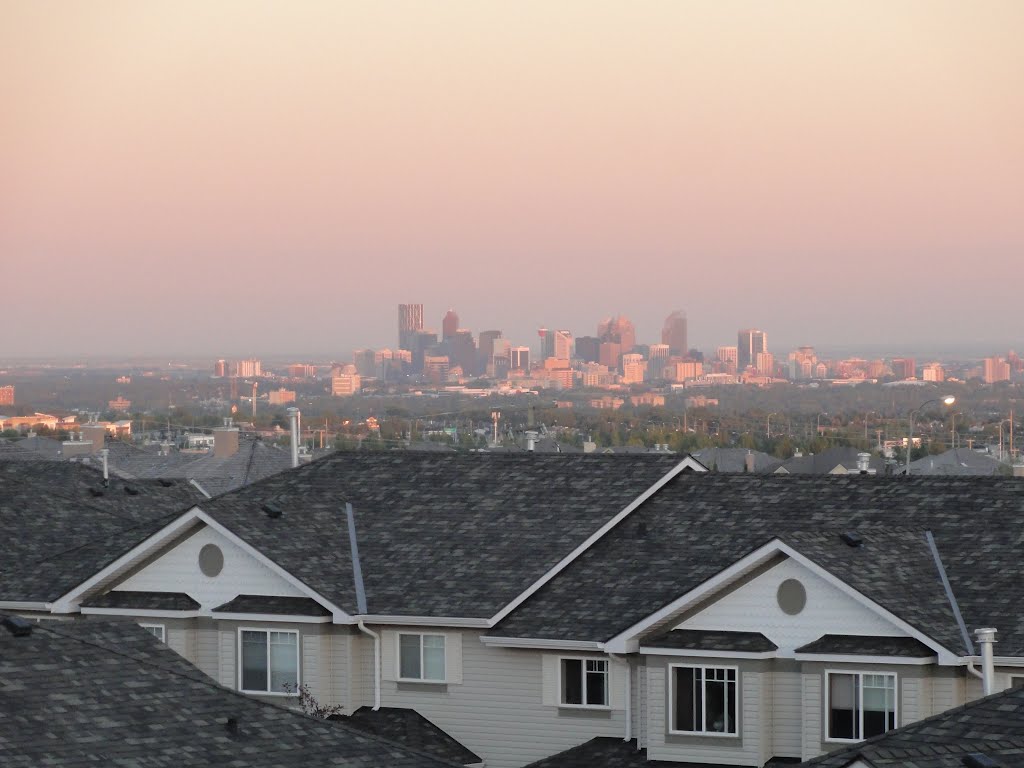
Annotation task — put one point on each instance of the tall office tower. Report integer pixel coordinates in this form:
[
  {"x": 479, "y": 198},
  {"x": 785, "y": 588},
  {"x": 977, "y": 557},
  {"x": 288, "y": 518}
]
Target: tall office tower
[
  {"x": 435, "y": 368},
  {"x": 802, "y": 363},
  {"x": 485, "y": 349},
  {"x": 562, "y": 345},
  {"x": 410, "y": 320},
  {"x": 547, "y": 343},
  {"x": 658, "y": 352},
  {"x": 521, "y": 358},
  {"x": 749, "y": 342},
  {"x": 588, "y": 349},
  {"x": 7, "y": 395},
  {"x": 449, "y": 325},
  {"x": 673, "y": 333},
  {"x": 618, "y": 330},
  {"x": 765, "y": 363},
  {"x": 462, "y": 351},
  {"x": 422, "y": 342},
  {"x": 501, "y": 358},
  {"x": 634, "y": 368},
  {"x": 904, "y": 368},
  {"x": 220, "y": 369},
  {"x": 366, "y": 362},
  {"x": 933, "y": 372},
  {"x": 248, "y": 369},
  {"x": 996, "y": 369}
]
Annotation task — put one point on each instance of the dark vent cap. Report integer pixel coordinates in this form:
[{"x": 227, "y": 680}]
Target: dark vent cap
[
  {"x": 166, "y": 483},
  {"x": 272, "y": 510},
  {"x": 18, "y": 626},
  {"x": 851, "y": 539},
  {"x": 131, "y": 490},
  {"x": 231, "y": 725},
  {"x": 979, "y": 760}
]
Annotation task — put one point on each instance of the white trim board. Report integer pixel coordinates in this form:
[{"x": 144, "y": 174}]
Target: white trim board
[
  {"x": 700, "y": 653},
  {"x": 426, "y": 621},
  {"x": 687, "y": 463},
  {"x": 628, "y": 640},
  {"x": 530, "y": 642}
]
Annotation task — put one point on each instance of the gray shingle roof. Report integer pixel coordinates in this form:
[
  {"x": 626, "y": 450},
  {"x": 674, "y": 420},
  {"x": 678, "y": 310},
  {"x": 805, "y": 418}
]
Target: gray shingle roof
[
  {"x": 409, "y": 727},
  {"x": 270, "y": 604},
  {"x": 439, "y": 534},
  {"x": 711, "y": 640},
  {"x": 867, "y": 645},
  {"x": 992, "y": 726},
  {"x": 827, "y": 460},
  {"x": 958, "y": 461},
  {"x": 87, "y": 693},
  {"x": 147, "y": 601},
  {"x": 735, "y": 460},
  {"x": 612, "y": 752},
  {"x": 699, "y": 524}
]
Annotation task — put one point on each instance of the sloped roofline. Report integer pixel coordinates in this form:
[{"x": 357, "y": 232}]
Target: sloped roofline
[
  {"x": 68, "y": 602},
  {"x": 628, "y": 640},
  {"x": 687, "y": 463}
]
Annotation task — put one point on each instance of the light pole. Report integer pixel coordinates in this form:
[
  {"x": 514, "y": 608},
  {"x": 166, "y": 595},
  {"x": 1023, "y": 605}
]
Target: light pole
[
  {"x": 947, "y": 400},
  {"x": 1001, "y": 437},
  {"x": 770, "y": 424}
]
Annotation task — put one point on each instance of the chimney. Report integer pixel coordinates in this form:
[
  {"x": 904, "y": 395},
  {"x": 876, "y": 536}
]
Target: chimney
[
  {"x": 863, "y": 462},
  {"x": 293, "y": 415},
  {"x": 986, "y": 639},
  {"x": 97, "y": 434},
  {"x": 225, "y": 440},
  {"x": 748, "y": 462}
]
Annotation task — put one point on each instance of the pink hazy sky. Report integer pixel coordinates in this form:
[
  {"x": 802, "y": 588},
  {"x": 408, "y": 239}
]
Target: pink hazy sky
[{"x": 243, "y": 176}]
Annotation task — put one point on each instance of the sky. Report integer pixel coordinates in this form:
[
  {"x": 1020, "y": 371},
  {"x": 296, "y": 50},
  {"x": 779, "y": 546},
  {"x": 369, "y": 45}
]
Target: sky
[{"x": 252, "y": 176}]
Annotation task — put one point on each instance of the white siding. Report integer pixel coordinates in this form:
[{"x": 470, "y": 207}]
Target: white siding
[
  {"x": 910, "y": 701},
  {"x": 177, "y": 570},
  {"x": 753, "y": 608},
  {"x": 786, "y": 712},
  {"x": 812, "y": 714}
]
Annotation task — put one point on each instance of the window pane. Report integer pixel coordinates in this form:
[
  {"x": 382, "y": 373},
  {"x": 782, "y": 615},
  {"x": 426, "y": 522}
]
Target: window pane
[
  {"x": 730, "y": 706},
  {"x": 254, "y": 661},
  {"x": 409, "y": 657},
  {"x": 844, "y": 719},
  {"x": 156, "y": 631},
  {"x": 687, "y": 703},
  {"x": 597, "y": 683},
  {"x": 433, "y": 657},
  {"x": 572, "y": 681},
  {"x": 284, "y": 661},
  {"x": 879, "y": 704},
  {"x": 715, "y": 716}
]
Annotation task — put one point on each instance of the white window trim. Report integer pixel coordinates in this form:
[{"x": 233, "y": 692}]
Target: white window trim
[
  {"x": 398, "y": 658},
  {"x": 298, "y": 660},
  {"x": 829, "y": 739},
  {"x": 161, "y": 627},
  {"x": 607, "y": 683},
  {"x": 672, "y": 701}
]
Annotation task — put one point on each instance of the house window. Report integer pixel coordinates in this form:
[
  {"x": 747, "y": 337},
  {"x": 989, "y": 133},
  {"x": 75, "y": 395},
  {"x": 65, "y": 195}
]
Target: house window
[
  {"x": 421, "y": 657},
  {"x": 1017, "y": 681},
  {"x": 156, "y": 630},
  {"x": 860, "y": 705},
  {"x": 270, "y": 661},
  {"x": 584, "y": 682},
  {"x": 703, "y": 700}
]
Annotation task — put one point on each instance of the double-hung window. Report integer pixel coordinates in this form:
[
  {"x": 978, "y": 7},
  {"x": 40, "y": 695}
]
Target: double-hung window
[
  {"x": 584, "y": 682},
  {"x": 703, "y": 700},
  {"x": 156, "y": 630},
  {"x": 270, "y": 661},
  {"x": 860, "y": 705},
  {"x": 421, "y": 658}
]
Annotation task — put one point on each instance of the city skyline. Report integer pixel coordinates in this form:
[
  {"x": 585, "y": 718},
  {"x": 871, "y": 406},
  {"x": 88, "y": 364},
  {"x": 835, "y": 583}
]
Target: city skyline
[{"x": 853, "y": 167}]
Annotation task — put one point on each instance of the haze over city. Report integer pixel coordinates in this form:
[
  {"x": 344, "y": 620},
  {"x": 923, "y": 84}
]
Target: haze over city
[{"x": 207, "y": 178}]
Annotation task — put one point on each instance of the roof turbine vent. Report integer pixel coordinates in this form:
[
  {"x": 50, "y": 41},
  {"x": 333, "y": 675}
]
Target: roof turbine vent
[{"x": 851, "y": 539}]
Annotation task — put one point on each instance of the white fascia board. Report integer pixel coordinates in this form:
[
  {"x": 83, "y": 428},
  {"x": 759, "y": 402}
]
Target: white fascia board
[
  {"x": 687, "y": 463},
  {"x": 270, "y": 617},
  {"x": 16, "y": 605},
  {"x": 708, "y": 654},
  {"x": 846, "y": 658},
  {"x": 539, "y": 643},
  {"x": 999, "y": 661},
  {"x": 146, "y": 613},
  {"x": 425, "y": 621},
  {"x": 621, "y": 642},
  {"x": 68, "y": 603}
]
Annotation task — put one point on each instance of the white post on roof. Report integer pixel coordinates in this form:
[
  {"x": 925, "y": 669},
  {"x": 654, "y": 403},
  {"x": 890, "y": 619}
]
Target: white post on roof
[
  {"x": 986, "y": 639},
  {"x": 106, "y": 469},
  {"x": 293, "y": 415}
]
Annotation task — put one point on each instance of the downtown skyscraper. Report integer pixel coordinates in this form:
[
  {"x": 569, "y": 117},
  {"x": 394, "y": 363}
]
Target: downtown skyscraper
[
  {"x": 750, "y": 342},
  {"x": 673, "y": 333},
  {"x": 410, "y": 322}
]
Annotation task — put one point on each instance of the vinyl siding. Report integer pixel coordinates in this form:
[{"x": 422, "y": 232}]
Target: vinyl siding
[
  {"x": 786, "y": 712},
  {"x": 812, "y": 708}
]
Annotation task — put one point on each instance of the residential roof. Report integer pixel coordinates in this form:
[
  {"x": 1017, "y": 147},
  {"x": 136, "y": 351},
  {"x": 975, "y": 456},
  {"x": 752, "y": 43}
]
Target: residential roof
[
  {"x": 457, "y": 535},
  {"x": 148, "y": 601},
  {"x": 271, "y": 604},
  {"x": 735, "y": 460},
  {"x": 14, "y": 450},
  {"x": 992, "y": 726},
  {"x": 867, "y": 645},
  {"x": 613, "y": 752},
  {"x": 958, "y": 461},
  {"x": 86, "y": 693},
  {"x": 711, "y": 640},
  {"x": 409, "y": 727},
  {"x": 699, "y": 524},
  {"x": 826, "y": 461}
]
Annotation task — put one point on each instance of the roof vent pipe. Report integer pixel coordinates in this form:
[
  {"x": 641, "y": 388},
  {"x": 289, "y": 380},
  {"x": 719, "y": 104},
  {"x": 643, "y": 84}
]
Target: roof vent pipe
[
  {"x": 863, "y": 462},
  {"x": 293, "y": 414},
  {"x": 986, "y": 639},
  {"x": 106, "y": 469}
]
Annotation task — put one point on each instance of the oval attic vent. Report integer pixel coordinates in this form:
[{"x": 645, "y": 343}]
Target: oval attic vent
[{"x": 211, "y": 560}]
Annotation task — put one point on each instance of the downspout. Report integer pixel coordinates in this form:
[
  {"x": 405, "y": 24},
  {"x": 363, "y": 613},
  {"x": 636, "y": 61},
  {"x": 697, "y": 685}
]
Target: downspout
[
  {"x": 629, "y": 694},
  {"x": 357, "y": 575},
  {"x": 376, "y": 662}
]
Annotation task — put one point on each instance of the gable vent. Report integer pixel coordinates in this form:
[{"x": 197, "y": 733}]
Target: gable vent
[
  {"x": 18, "y": 626},
  {"x": 979, "y": 760},
  {"x": 851, "y": 539},
  {"x": 273, "y": 511}
]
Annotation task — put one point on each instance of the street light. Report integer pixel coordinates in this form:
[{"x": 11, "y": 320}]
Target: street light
[
  {"x": 947, "y": 400},
  {"x": 770, "y": 424}
]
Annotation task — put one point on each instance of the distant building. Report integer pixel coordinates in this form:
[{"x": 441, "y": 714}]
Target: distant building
[
  {"x": 634, "y": 368},
  {"x": 449, "y": 325},
  {"x": 485, "y": 349},
  {"x": 346, "y": 385},
  {"x": 618, "y": 330},
  {"x": 673, "y": 333},
  {"x": 684, "y": 370},
  {"x": 750, "y": 342},
  {"x": 803, "y": 363},
  {"x": 410, "y": 320},
  {"x": 933, "y": 372},
  {"x": 648, "y": 398},
  {"x": 699, "y": 401},
  {"x": 119, "y": 404},
  {"x": 658, "y": 353},
  {"x": 588, "y": 349},
  {"x": 302, "y": 371},
  {"x": 462, "y": 351},
  {"x": 435, "y": 368},
  {"x": 247, "y": 369},
  {"x": 521, "y": 358},
  {"x": 281, "y": 396},
  {"x": 220, "y": 369},
  {"x": 904, "y": 368},
  {"x": 996, "y": 369},
  {"x": 7, "y": 395},
  {"x": 607, "y": 402},
  {"x": 765, "y": 363},
  {"x": 610, "y": 353}
]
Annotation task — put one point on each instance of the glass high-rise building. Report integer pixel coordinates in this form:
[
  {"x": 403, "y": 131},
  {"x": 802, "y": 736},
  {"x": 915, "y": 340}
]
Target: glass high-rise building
[
  {"x": 750, "y": 342},
  {"x": 410, "y": 322},
  {"x": 673, "y": 333}
]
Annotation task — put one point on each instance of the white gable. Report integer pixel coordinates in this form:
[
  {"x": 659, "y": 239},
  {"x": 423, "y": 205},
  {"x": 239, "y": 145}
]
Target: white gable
[
  {"x": 754, "y": 607},
  {"x": 177, "y": 570}
]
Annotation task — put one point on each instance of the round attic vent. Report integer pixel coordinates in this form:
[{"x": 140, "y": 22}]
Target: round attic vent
[
  {"x": 211, "y": 560},
  {"x": 792, "y": 597}
]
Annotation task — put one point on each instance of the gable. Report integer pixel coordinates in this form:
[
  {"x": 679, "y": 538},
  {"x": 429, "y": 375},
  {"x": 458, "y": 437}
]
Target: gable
[
  {"x": 177, "y": 569},
  {"x": 753, "y": 606}
]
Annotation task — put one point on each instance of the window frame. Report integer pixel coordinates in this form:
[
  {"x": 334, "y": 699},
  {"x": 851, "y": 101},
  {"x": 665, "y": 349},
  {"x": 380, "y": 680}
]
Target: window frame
[
  {"x": 672, "y": 701},
  {"x": 163, "y": 631},
  {"x": 860, "y": 673},
  {"x": 607, "y": 683},
  {"x": 298, "y": 661},
  {"x": 423, "y": 666}
]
